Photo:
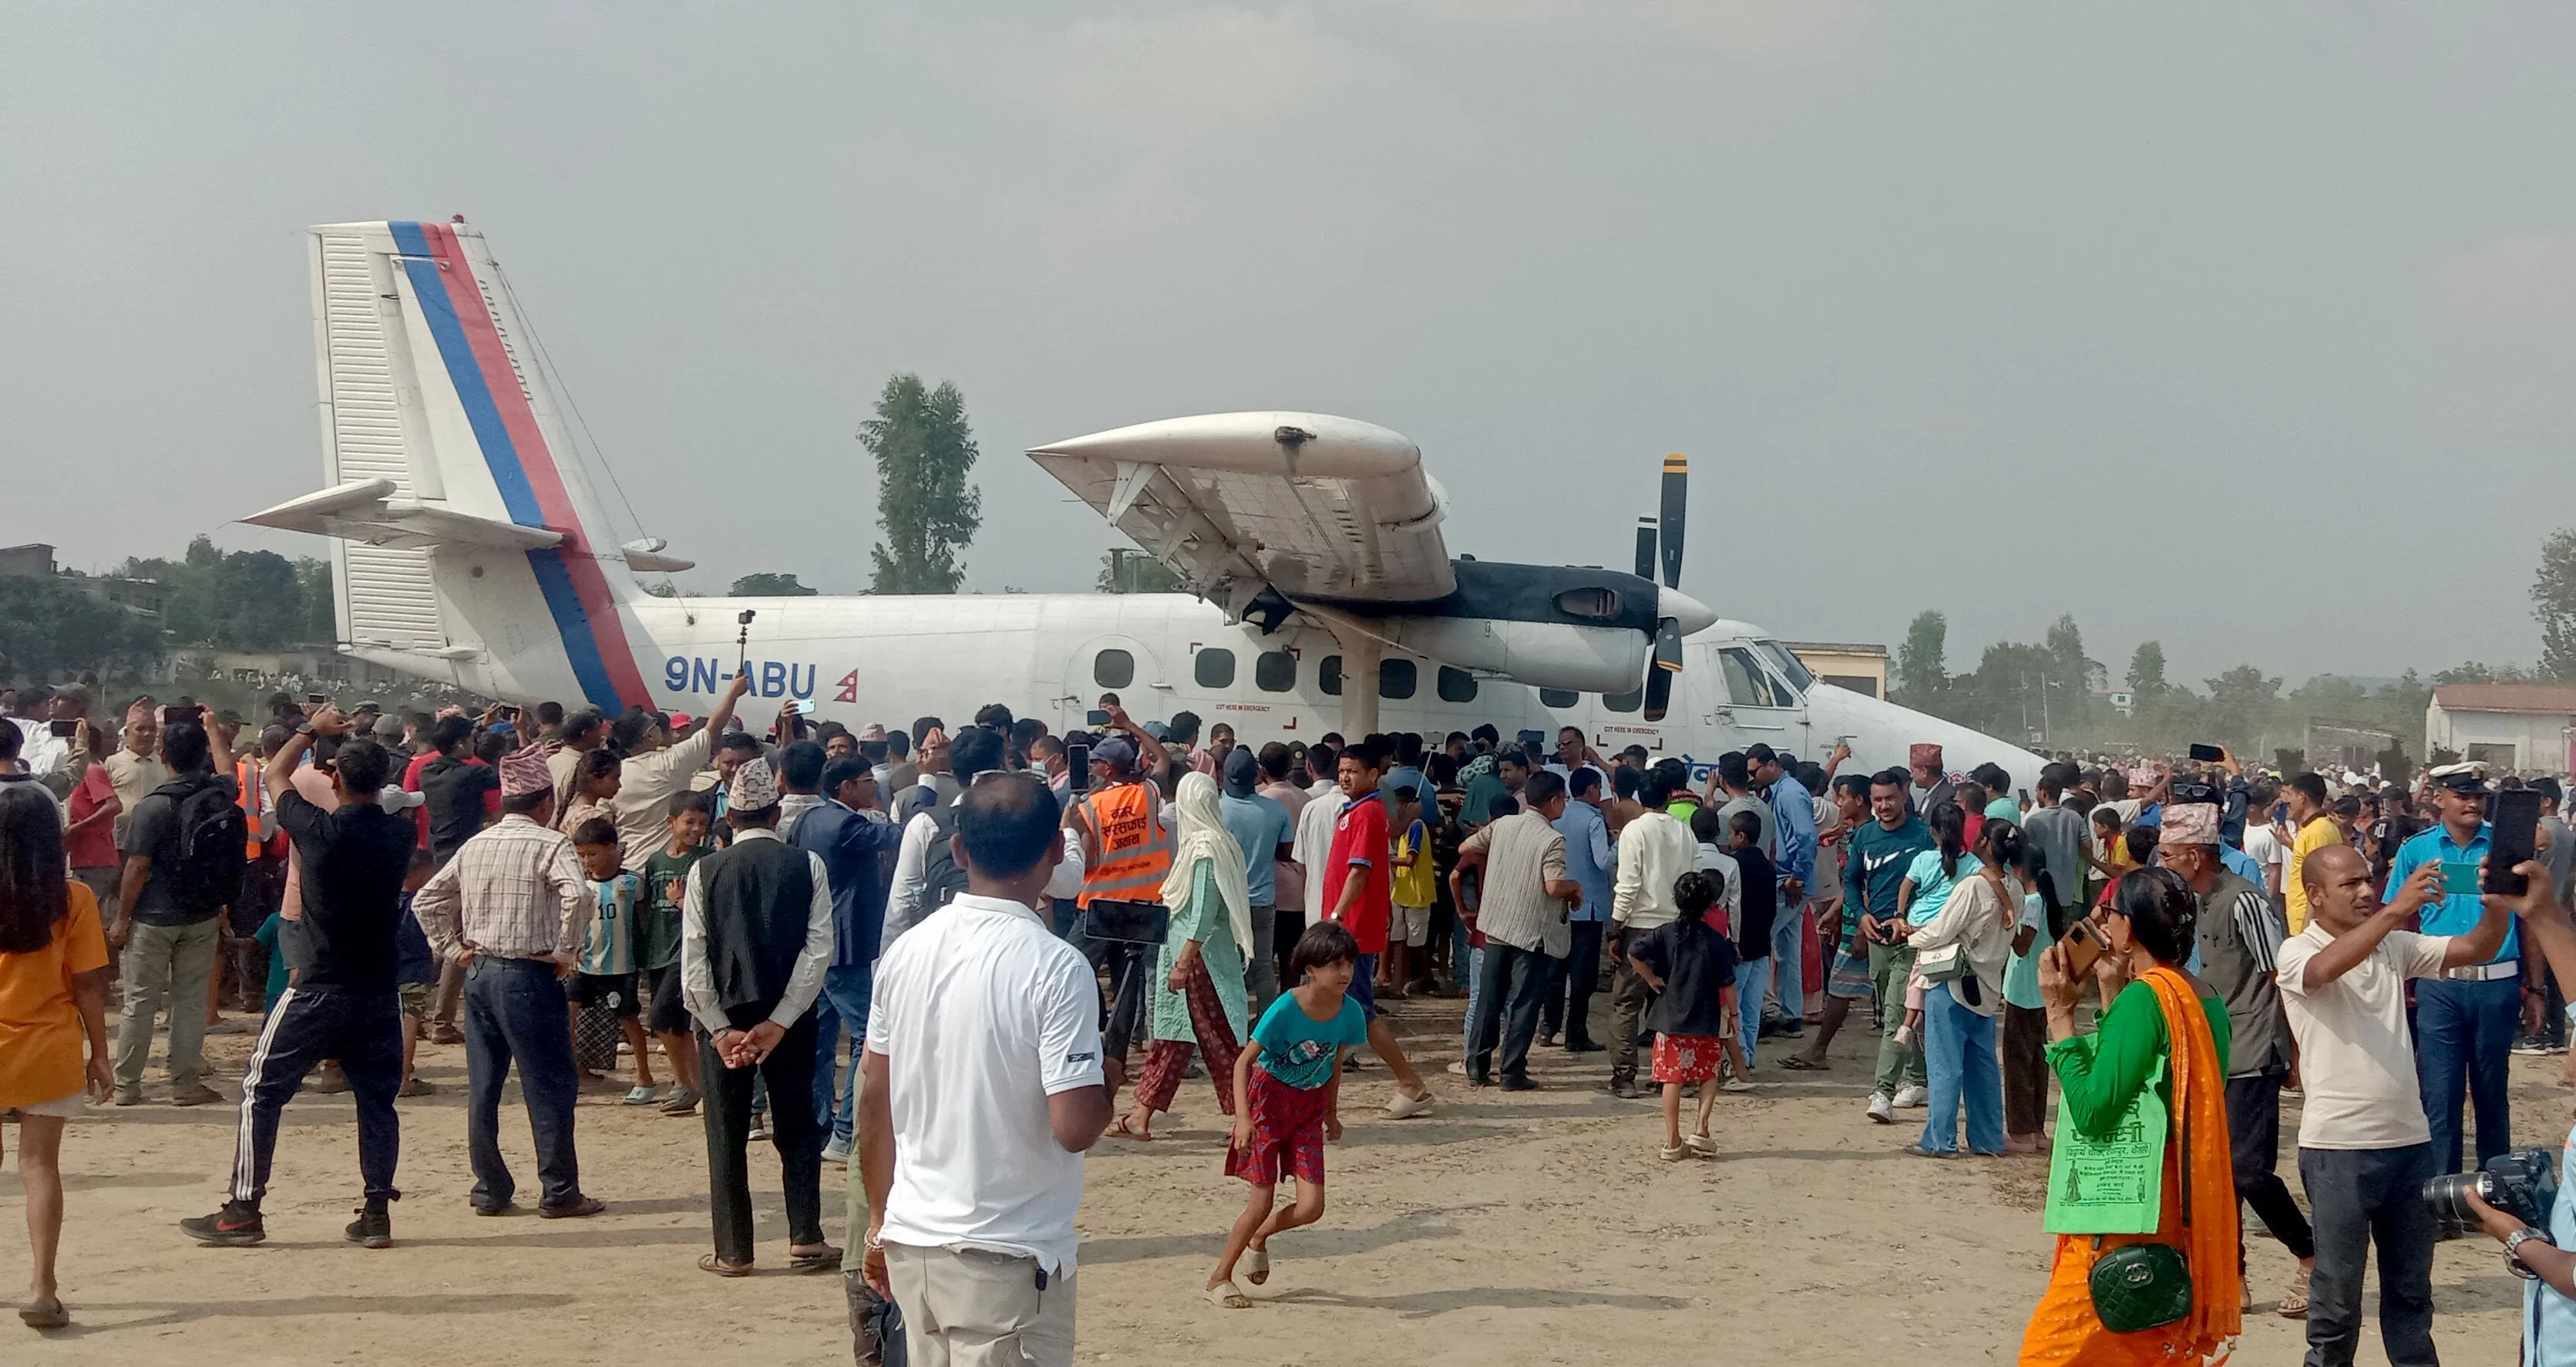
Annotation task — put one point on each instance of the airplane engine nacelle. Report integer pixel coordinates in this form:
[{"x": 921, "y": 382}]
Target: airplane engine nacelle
[{"x": 1582, "y": 659}]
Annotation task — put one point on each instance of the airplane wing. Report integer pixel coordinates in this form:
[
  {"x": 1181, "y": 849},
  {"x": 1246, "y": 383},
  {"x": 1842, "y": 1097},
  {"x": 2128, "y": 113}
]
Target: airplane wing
[
  {"x": 366, "y": 511},
  {"x": 1310, "y": 505}
]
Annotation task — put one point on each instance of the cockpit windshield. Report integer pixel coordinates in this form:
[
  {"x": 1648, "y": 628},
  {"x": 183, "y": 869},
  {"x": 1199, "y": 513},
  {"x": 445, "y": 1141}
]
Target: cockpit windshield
[{"x": 1789, "y": 666}]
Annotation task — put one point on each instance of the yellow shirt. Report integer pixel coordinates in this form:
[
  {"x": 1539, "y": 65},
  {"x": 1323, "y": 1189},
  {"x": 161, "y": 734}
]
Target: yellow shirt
[
  {"x": 2316, "y": 835},
  {"x": 1415, "y": 886}
]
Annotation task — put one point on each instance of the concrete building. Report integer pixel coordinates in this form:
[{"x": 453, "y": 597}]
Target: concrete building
[
  {"x": 2524, "y": 727},
  {"x": 1860, "y": 668}
]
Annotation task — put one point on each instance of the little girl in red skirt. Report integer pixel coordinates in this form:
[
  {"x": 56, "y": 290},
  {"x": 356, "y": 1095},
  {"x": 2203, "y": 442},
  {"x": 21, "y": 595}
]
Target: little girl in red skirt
[
  {"x": 1691, "y": 966},
  {"x": 1289, "y": 1077}
]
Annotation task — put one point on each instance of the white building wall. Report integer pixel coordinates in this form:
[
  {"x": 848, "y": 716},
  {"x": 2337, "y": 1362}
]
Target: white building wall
[{"x": 2539, "y": 740}]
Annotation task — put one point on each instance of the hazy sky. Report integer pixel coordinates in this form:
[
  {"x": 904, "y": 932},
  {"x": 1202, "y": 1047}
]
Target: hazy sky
[{"x": 2250, "y": 327}]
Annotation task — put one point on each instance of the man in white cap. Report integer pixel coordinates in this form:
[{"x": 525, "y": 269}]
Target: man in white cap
[
  {"x": 755, "y": 939},
  {"x": 2466, "y": 1019},
  {"x": 510, "y": 909}
]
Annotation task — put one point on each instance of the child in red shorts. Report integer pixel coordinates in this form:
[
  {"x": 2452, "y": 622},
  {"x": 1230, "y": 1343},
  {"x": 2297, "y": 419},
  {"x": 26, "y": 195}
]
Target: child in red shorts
[
  {"x": 1691, "y": 966},
  {"x": 1289, "y": 1076}
]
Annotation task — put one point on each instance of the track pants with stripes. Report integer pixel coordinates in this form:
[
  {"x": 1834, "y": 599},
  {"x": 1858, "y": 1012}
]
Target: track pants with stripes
[{"x": 363, "y": 1030}]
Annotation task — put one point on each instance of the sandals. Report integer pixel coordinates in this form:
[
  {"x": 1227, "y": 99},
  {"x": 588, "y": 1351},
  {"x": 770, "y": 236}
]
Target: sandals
[
  {"x": 1256, "y": 1265},
  {"x": 642, "y": 1096},
  {"x": 1227, "y": 1296},
  {"x": 1799, "y": 1063},
  {"x": 1676, "y": 1153},
  {"x": 824, "y": 1259},
  {"x": 710, "y": 1262},
  {"x": 1123, "y": 1130},
  {"x": 1703, "y": 1145},
  {"x": 56, "y": 1316}
]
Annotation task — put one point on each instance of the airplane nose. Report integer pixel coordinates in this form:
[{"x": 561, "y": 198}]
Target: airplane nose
[{"x": 1691, "y": 614}]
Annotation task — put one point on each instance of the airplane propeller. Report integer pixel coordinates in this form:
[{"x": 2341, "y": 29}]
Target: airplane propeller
[{"x": 1668, "y": 533}]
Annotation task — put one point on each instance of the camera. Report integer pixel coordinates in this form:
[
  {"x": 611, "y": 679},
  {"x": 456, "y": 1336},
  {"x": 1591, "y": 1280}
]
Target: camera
[
  {"x": 746, "y": 616},
  {"x": 2522, "y": 1183}
]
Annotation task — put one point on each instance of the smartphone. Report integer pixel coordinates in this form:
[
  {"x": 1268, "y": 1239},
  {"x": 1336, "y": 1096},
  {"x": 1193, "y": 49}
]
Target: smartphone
[
  {"x": 1095, "y": 717},
  {"x": 509, "y": 712},
  {"x": 2083, "y": 947},
  {"x": 2206, "y": 754},
  {"x": 2022, "y": 796},
  {"x": 2459, "y": 879},
  {"x": 317, "y": 699},
  {"x": 2513, "y": 824},
  {"x": 1077, "y": 768},
  {"x": 172, "y": 716},
  {"x": 67, "y": 727},
  {"x": 804, "y": 707}
]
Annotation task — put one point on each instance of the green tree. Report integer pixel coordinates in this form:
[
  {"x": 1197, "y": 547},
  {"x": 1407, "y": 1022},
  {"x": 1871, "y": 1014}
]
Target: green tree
[
  {"x": 929, "y": 513},
  {"x": 2147, "y": 670},
  {"x": 2553, "y": 601},
  {"x": 770, "y": 585},
  {"x": 1922, "y": 667},
  {"x": 232, "y": 600},
  {"x": 1126, "y": 571},
  {"x": 49, "y": 625},
  {"x": 320, "y": 620},
  {"x": 2241, "y": 706}
]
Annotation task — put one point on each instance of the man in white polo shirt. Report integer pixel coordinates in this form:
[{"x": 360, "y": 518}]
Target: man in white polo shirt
[
  {"x": 983, "y": 1087},
  {"x": 2365, "y": 1147}
]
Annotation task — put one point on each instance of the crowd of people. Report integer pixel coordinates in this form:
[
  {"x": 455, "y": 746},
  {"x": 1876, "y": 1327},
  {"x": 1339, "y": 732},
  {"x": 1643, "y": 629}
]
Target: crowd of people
[{"x": 1002, "y": 920}]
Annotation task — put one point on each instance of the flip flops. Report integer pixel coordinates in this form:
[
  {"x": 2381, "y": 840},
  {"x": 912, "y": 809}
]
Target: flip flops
[
  {"x": 55, "y": 1316},
  {"x": 1798, "y": 1063},
  {"x": 642, "y": 1096},
  {"x": 709, "y": 1262},
  {"x": 827, "y": 1259}
]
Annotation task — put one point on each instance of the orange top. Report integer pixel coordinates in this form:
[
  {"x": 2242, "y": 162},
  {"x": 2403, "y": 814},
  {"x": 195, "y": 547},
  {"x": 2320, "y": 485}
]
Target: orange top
[
  {"x": 1133, "y": 848},
  {"x": 40, "y": 1025}
]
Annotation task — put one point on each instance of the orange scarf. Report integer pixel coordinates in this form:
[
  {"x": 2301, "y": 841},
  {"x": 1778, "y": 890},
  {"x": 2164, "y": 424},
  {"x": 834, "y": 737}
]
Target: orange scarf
[{"x": 2063, "y": 1329}]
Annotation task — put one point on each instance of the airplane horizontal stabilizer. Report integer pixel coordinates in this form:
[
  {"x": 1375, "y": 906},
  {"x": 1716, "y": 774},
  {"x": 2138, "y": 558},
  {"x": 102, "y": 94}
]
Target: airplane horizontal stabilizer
[{"x": 366, "y": 512}]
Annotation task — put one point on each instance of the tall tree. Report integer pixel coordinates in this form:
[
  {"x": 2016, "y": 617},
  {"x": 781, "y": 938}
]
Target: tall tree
[
  {"x": 929, "y": 513},
  {"x": 2072, "y": 675},
  {"x": 320, "y": 622},
  {"x": 1126, "y": 571},
  {"x": 770, "y": 585},
  {"x": 2553, "y": 600},
  {"x": 2147, "y": 670},
  {"x": 1922, "y": 666},
  {"x": 2241, "y": 703},
  {"x": 50, "y": 625}
]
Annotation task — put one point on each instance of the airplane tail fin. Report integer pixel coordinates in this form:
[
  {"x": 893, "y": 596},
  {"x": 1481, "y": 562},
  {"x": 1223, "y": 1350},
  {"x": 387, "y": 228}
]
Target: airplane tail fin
[{"x": 470, "y": 543}]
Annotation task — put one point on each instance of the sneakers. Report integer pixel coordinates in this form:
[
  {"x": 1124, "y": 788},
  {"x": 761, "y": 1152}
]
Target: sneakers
[
  {"x": 374, "y": 1227},
  {"x": 1882, "y": 1108},
  {"x": 837, "y": 1151},
  {"x": 1402, "y": 1107},
  {"x": 129, "y": 1096},
  {"x": 237, "y": 1225},
  {"x": 1735, "y": 1085},
  {"x": 1913, "y": 1098},
  {"x": 1625, "y": 1091},
  {"x": 2294, "y": 1302},
  {"x": 197, "y": 1095},
  {"x": 2531, "y": 1046}
]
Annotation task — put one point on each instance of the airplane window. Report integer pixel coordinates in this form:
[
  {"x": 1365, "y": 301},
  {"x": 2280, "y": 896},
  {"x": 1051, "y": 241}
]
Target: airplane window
[
  {"x": 1274, "y": 671},
  {"x": 1214, "y": 667},
  {"x": 1395, "y": 679},
  {"x": 1456, "y": 685},
  {"x": 1328, "y": 676},
  {"x": 1746, "y": 683},
  {"x": 1113, "y": 669},
  {"x": 1790, "y": 666},
  {"x": 1559, "y": 698},
  {"x": 1624, "y": 702}
]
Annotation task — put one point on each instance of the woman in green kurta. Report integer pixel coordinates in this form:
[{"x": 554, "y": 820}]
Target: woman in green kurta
[{"x": 1198, "y": 983}]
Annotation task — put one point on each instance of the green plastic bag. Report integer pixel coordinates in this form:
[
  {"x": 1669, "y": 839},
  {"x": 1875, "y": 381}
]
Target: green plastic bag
[{"x": 2114, "y": 1184}]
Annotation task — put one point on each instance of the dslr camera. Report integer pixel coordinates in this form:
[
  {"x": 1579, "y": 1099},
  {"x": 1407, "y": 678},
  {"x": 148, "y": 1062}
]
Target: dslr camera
[{"x": 2521, "y": 1182}]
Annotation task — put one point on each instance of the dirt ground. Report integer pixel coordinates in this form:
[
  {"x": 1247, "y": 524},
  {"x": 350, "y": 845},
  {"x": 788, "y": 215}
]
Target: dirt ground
[{"x": 1526, "y": 1228}]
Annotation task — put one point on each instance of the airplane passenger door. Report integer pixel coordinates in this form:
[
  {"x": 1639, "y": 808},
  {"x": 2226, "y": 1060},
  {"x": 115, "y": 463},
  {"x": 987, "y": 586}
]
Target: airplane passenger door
[
  {"x": 1113, "y": 663},
  {"x": 1755, "y": 704}
]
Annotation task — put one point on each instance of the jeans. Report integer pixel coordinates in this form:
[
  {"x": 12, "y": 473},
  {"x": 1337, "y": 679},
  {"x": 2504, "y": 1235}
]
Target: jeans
[
  {"x": 2254, "y": 1146},
  {"x": 166, "y": 964},
  {"x": 1959, "y": 1049},
  {"x": 789, "y": 1070},
  {"x": 1509, "y": 989},
  {"x": 514, "y": 1013},
  {"x": 1788, "y": 959},
  {"x": 2361, "y": 1197},
  {"x": 1475, "y": 994},
  {"x": 2464, "y": 1039},
  {"x": 364, "y": 1032},
  {"x": 1898, "y": 1065},
  {"x": 843, "y": 1001},
  {"x": 1750, "y": 975},
  {"x": 1261, "y": 975},
  {"x": 1569, "y": 998}
]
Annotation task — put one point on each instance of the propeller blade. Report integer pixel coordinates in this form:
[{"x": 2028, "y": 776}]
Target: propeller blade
[
  {"x": 1645, "y": 548},
  {"x": 1667, "y": 663},
  {"x": 1676, "y": 504}
]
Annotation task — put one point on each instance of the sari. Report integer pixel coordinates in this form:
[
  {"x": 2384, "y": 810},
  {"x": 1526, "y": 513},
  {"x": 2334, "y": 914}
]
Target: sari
[{"x": 2064, "y": 1331}]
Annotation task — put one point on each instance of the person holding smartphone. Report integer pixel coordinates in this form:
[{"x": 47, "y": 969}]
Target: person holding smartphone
[{"x": 2466, "y": 1018}]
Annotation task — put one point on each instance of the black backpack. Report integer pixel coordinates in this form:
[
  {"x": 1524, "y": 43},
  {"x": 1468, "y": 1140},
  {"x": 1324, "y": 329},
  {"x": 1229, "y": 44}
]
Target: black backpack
[
  {"x": 208, "y": 860},
  {"x": 941, "y": 878}
]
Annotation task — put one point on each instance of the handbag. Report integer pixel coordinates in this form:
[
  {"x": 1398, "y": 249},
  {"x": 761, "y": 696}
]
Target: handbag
[
  {"x": 1947, "y": 964},
  {"x": 2137, "y": 1287}
]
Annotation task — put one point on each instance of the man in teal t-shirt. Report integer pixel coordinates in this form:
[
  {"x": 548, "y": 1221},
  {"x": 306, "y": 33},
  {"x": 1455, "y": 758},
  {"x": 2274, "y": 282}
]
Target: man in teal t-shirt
[{"x": 1881, "y": 851}]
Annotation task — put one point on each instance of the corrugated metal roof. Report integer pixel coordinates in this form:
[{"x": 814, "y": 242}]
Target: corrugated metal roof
[{"x": 2553, "y": 699}]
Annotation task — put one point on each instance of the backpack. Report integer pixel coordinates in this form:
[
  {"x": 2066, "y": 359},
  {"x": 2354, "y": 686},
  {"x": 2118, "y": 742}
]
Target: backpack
[
  {"x": 941, "y": 878},
  {"x": 207, "y": 862}
]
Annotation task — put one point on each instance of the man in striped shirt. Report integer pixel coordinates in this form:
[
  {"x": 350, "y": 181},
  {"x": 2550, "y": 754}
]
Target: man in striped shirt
[
  {"x": 1521, "y": 910},
  {"x": 511, "y": 908}
]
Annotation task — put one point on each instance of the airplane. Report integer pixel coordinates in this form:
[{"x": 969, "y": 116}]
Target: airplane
[{"x": 469, "y": 547}]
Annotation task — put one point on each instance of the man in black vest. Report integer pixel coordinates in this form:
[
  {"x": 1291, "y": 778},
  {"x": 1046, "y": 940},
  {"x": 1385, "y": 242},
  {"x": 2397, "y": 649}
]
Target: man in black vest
[{"x": 755, "y": 938}]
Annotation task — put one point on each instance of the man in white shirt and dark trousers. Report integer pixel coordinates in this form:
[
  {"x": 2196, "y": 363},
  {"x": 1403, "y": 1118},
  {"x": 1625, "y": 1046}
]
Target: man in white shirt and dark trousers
[
  {"x": 755, "y": 937},
  {"x": 983, "y": 1089},
  {"x": 2365, "y": 1147},
  {"x": 1654, "y": 850}
]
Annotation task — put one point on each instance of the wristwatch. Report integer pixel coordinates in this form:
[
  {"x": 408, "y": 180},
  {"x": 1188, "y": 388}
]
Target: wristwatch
[{"x": 2513, "y": 1251}]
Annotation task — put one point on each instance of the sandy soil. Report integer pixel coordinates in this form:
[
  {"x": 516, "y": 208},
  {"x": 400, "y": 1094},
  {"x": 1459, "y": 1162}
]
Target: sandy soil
[{"x": 1529, "y": 1228}]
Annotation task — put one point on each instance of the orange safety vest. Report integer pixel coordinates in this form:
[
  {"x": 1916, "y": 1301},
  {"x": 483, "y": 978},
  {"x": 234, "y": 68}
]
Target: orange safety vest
[
  {"x": 253, "y": 802},
  {"x": 1133, "y": 846}
]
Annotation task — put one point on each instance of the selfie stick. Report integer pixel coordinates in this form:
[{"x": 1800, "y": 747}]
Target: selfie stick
[{"x": 743, "y": 640}]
